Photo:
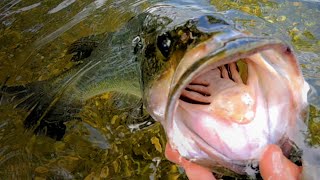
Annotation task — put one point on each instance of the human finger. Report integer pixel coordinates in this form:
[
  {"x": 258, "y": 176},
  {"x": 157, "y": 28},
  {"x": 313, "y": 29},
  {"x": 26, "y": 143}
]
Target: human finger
[
  {"x": 193, "y": 171},
  {"x": 274, "y": 165}
]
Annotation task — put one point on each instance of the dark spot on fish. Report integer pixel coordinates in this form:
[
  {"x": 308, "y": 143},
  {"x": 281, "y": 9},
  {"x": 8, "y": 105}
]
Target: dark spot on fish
[
  {"x": 82, "y": 48},
  {"x": 150, "y": 50},
  {"x": 288, "y": 50},
  {"x": 211, "y": 24},
  {"x": 53, "y": 130},
  {"x": 215, "y": 20}
]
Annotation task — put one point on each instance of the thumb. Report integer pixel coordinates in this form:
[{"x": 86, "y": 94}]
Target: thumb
[{"x": 274, "y": 165}]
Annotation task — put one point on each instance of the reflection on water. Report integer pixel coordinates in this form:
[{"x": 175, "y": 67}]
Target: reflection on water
[{"x": 110, "y": 137}]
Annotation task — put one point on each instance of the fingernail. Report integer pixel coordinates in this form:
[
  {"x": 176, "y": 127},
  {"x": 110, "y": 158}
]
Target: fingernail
[{"x": 277, "y": 161}]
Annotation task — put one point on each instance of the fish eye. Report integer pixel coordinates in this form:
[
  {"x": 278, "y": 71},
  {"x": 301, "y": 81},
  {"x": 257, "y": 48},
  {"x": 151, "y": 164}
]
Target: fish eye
[{"x": 164, "y": 43}]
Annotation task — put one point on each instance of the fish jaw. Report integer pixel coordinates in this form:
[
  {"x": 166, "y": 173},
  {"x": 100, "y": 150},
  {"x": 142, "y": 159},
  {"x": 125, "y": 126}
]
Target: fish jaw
[
  {"x": 157, "y": 96},
  {"x": 216, "y": 133}
]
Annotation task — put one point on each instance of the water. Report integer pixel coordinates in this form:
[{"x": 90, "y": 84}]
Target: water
[{"x": 111, "y": 141}]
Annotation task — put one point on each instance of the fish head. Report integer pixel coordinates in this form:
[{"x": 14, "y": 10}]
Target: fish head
[{"x": 222, "y": 94}]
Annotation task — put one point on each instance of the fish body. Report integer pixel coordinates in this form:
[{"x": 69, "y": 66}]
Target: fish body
[{"x": 221, "y": 93}]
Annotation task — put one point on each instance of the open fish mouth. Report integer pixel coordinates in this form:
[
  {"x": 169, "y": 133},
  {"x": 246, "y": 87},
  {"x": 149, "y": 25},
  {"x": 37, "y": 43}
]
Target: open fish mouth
[
  {"x": 223, "y": 92},
  {"x": 228, "y": 101}
]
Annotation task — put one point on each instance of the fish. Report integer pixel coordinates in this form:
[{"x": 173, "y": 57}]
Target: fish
[{"x": 221, "y": 93}]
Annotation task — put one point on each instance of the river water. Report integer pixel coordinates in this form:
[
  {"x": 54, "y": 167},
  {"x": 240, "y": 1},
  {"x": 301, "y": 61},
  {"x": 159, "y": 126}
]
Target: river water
[{"x": 112, "y": 140}]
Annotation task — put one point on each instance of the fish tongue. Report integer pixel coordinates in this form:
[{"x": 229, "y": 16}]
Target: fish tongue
[
  {"x": 235, "y": 104},
  {"x": 224, "y": 97}
]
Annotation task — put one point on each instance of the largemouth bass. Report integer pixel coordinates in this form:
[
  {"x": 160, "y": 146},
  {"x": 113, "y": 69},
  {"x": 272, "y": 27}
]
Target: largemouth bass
[{"x": 221, "y": 93}]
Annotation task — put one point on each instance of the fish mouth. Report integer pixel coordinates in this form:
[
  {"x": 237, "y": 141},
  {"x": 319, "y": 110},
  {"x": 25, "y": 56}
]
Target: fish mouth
[
  {"x": 222, "y": 91},
  {"x": 227, "y": 103}
]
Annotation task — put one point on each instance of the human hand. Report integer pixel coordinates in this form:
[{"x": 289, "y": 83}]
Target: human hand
[
  {"x": 273, "y": 165},
  {"x": 193, "y": 171}
]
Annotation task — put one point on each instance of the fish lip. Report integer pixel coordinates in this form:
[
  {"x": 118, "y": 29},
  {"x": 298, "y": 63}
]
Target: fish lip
[{"x": 231, "y": 51}]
